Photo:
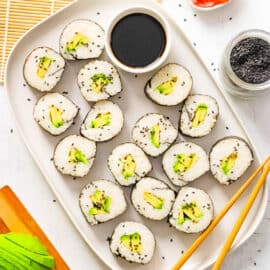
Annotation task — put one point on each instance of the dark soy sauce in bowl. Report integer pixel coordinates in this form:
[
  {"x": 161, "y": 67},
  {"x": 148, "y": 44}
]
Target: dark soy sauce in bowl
[{"x": 137, "y": 40}]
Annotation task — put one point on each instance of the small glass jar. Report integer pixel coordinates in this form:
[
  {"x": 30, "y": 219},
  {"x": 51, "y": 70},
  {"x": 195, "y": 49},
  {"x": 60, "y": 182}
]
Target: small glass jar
[{"x": 233, "y": 83}]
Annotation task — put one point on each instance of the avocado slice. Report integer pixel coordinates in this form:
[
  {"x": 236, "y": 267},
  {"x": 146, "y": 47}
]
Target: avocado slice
[
  {"x": 155, "y": 135},
  {"x": 76, "y": 41},
  {"x": 183, "y": 162},
  {"x": 100, "y": 202},
  {"x": 43, "y": 66},
  {"x": 4, "y": 263},
  {"x": 129, "y": 166},
  {"x": 45, "y": 260},
  {"x": 167, "y": 87},
  {"x": 56, "y": 116},
  {"x": 228, "y": 163},
  {"x": 189, "y": 211},
  {"x": 75, "y": 156},
  {"x": 153, "y": 200},
  {"x": 26, "y": 241},
  {"x": 132, "y": 242},
  {"x": 101, "y": 120},
  {"x": 200, "y": 114},
  {"x": 99, "y": 81}
]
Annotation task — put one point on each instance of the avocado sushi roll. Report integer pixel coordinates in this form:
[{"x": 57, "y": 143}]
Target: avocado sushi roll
[
  {"x": 82, "y": 39},
  {"x": 74, "y": 155},
  {"x": 55, "y": 113},
  {"x": 133, "y": 241},
  {"x": 101, "y": 201},
  {"x": 199, "y": 115},
  {"x": 169, "y": 86},
  {"x": 184, "y": 162},
  {"x": 154, "y": 133},
  {"x": 230, "y": 157},
  {"x": 192, "y": 211},
  {"x": 104, "y": 81},
  {"x": 128, "y": 164},
  {"x": 43, "y": 68},
  {"x": 152, "y": 198},
  {"x": 103, "y": 122}
]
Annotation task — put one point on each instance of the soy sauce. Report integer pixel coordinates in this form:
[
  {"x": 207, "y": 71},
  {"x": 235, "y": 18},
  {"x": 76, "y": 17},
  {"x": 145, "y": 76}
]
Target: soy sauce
[{"x": 137, "y": 40}]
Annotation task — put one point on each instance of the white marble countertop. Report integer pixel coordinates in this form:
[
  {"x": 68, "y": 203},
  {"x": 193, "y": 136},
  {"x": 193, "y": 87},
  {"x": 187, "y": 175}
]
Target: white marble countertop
[{"x": 210, "y": 32}]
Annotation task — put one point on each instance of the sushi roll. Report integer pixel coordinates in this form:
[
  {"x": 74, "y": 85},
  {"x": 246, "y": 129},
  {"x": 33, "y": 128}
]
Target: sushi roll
[
  {"x": 230, "y": 157},
  {"x": 198, "y": 116},
  {"x": 74, "y": 155},
  {"x": 169, "y": 86},
  {"x": 104, "y": 81},
  {"x": 133, "y": 241},
  {"x": 184, "y": 162},
  {"x": 101, "y": 201},
  {"x": 154, "y": 133},
  {"x": 82, "y": 39},
  {"x": 192, "y": 211},
  {"x": 152, "y": 198},
  {"x": 55, "y": 113},
  {"x": 103, "y": 122},
  {"x": 43, "y": 68},
  {"x": 128, "y": 164}
]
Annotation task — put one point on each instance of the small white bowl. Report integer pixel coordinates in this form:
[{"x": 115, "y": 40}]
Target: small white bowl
[
  {"x": 159, "y": 61},
  {"x": 208, "y": 8}
]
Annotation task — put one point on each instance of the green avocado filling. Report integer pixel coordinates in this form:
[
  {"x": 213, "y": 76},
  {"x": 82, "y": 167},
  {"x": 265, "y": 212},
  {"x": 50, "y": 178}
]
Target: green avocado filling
[
  {"x": 101, "y": 120},
  {"x": 23, "y": 252},
  {"x": 167, "y": 87},
  {"x": 200, "y": 114},
  {"x": 43, "y": 66},
  {"x": 189, "y": 211},
  {"x": 76, "y": 41},
  {"x": 155, "y": 135},
  {"x": 75, "y": 156},
  {"x": 56, "y": 116},
  {"x": 183, "y": 162},
  {"x": 129, "y": 166},
  {"x": 228, "y": 163},
  {"x": 155, "y": 201},
  {"x": 101, "y": 203},
  {"x": 99, "y": 81},
  {"x": 132, "y": 242}
]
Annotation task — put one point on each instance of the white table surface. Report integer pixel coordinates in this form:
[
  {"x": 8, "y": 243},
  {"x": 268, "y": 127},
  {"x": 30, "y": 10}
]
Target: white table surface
[{"x": 210, "y": 31}]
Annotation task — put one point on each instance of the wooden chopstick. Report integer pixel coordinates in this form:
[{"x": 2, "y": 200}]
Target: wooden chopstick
[
  {"x": 237, "y": 226},
  {"x": 218, "y": 218}
]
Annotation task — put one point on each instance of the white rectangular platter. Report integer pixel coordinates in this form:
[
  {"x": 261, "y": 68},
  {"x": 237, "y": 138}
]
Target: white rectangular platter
[{"x": 134, "y": 104}]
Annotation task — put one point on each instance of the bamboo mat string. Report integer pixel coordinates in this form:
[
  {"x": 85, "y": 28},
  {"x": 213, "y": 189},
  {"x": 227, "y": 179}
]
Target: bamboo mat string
[{"x": 18, "y": 16}]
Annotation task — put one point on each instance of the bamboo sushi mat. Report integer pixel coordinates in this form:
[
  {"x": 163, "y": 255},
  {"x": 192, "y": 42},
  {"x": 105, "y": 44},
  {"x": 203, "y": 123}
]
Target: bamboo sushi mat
[{"x": 18, "y": 16}]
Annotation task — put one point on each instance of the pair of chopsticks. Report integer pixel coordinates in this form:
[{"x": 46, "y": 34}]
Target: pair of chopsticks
[{"x": 265, "y": 168}]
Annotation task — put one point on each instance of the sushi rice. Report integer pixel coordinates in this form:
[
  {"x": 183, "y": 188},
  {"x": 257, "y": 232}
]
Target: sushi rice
[
  {"x": 152, "y": 198},
  {"x": 230, "y": 157},
  {"x": 82, "y": 39},
  {"x": 43, "y": 68},
  {"x": 103, "y": 122},
  {"x": 74, "y": 155},
  {"x": 133, "y": 241},
  {"x": 199, "y": 115},
  {"x": 169, "y": 86},
  {"x": 184, "y": 162},
  {"x": 101, "y": 201},
  {"x": 104, "y": 81},
  {"x": 192, "y": 211},
  {"x": 154, "y": 133},
  {"x": 128, "y": 164},
  {"x": 55, "y": 113}
]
